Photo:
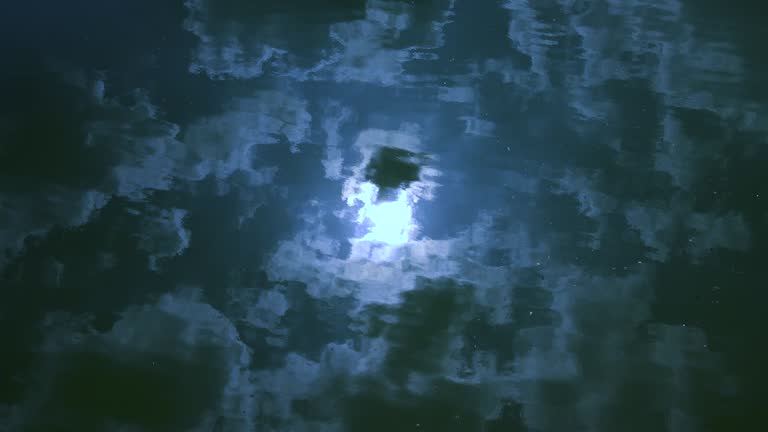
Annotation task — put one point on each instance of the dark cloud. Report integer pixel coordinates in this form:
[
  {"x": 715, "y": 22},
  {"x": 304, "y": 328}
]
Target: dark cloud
[{"x": 136, "y": 376}]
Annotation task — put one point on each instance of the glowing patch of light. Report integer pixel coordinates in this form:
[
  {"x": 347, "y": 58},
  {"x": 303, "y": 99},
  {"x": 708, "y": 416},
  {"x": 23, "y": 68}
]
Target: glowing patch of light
[{"x": 391, "y": 222}]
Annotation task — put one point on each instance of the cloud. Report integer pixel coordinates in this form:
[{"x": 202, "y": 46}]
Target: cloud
[
  {"x": 164, "y": 235},
  {"x": 531, "y": 306},
  {"x": 373, "y": 273},
  {"x": 564, "y": 320},
  {"x": 359, "y": 53},
  {"x": 592, "y": 361},
  {"x": 261, "y": 308},
  {"x": 680, "y": 229},
  {"x": 137, "y": 153},
  {"x": 22, "y": 216},
  {"x": 370, "y": 142},
  {"x": 478, "y": 126},
  {"x": 684, "y": 65},
  {"x": 336, "y": 117},
  {"x": 304, "y": 395},
  {"x": 191, "y": 374},
  {"x": 396, "y": 366},
  {"x": 373, "y": 50},
  {"x": 588, "y": 321},
  {"x": 727, "y": 231},
  {"x": 592, "y": 203},
  {"x": 534, "y": 39},
  {"x": 147, "y": 149},
  {"x": 223, "y": 51},
  {"x": 225, "y": 143},
  {"x": 657, "y": 229},
  {"x": 456, "y": 94},
  {"x": 312, "y": 256}
]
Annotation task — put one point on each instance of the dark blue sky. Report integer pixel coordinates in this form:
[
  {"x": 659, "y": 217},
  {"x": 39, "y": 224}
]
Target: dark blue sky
[{"x": 383, "y": 215}]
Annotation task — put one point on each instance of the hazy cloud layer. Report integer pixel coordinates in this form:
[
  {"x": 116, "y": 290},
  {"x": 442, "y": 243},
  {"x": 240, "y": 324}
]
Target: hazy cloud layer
[{"x": 524, "y": 215}]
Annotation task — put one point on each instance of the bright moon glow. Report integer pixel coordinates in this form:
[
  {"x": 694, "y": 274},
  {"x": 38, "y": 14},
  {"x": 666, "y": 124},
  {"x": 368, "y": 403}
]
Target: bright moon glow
[{"x": 390, "y": 221}]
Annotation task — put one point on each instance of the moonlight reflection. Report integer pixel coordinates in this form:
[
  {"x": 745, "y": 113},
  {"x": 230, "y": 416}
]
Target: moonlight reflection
[{"x": 389, "y": 222}]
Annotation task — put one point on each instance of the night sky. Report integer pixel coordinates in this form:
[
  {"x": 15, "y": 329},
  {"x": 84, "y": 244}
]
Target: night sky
[{"x": 383, "y": 216}]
